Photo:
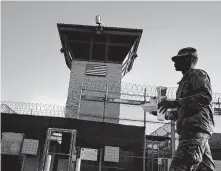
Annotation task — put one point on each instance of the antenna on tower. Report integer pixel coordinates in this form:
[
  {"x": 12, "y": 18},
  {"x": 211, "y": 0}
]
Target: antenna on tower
[
  {"x": 99, "y": 27},
  {"x": 98, "y": 19}
]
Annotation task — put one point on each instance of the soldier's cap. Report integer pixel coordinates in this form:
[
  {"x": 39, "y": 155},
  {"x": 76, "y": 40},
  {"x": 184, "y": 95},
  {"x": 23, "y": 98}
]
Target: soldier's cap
[{"x": 188, "y": 51}]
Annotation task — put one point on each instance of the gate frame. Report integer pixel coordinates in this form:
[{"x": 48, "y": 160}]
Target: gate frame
[{"x": 72, "y": 150}]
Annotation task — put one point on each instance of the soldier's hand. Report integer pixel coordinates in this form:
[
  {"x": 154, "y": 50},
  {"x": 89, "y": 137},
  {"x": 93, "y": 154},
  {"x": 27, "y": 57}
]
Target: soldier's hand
[
  {"x": 166, "y": 104},
  {"x": 154, "y": 113}
]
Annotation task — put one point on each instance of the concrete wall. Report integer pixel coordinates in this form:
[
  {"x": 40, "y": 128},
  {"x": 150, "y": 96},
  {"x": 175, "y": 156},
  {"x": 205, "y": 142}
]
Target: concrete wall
[{"x": 94, "y": 110}]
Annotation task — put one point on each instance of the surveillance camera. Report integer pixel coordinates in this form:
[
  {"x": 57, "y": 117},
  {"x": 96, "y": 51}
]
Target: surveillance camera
[{"x": 98, "y": 19}]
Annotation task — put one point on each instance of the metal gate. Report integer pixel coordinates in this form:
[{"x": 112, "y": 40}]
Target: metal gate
[
  {"x": 59, "y": 150},
  {"x": 157, "y": 155}
]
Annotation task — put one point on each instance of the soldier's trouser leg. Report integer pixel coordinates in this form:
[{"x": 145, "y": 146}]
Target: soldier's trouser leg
[
  {"x": 193, "y": 153},
  {"x": 207, "y": 163}
]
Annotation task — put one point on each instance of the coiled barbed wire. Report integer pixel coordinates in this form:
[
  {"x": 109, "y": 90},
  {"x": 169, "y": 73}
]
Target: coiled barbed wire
[
  {"x": 32, "y": 108},
  {"x": 124, "y": 90}
]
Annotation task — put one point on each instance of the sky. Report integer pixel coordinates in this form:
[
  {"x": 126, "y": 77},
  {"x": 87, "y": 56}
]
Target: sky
[{"x": 34, "y": 70}]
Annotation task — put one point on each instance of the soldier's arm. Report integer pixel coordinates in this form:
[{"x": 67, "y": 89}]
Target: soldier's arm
[
  {"x": 202, "y": 93},
  {"x": 172, "y": 115}
]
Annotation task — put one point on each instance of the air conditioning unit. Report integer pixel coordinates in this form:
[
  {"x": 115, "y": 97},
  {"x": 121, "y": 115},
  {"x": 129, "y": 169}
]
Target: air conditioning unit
[
  {"x": 30, "y": 146},
  {"x": 111, "y": 154},
  {"x": 11, "y": 143}
]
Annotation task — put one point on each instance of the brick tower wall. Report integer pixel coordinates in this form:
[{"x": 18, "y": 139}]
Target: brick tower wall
[{"x": 93, "y": 110}]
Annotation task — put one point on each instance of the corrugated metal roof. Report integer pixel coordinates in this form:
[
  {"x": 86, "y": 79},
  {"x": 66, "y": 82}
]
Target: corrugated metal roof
[{"x": 95, "y": 26}]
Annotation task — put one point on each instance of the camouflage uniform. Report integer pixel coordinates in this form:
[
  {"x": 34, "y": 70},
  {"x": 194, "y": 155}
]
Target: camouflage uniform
[{"x": 195, "y": 123}]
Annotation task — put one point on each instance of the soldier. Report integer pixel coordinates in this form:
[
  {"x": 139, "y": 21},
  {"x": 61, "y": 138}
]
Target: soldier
[{"x": 194, "y": 115}]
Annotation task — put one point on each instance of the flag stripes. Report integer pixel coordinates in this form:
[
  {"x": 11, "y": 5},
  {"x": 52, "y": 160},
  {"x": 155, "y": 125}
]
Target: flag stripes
[
  {"x": 128, "y": 62},
  {"x": 96, "y": 69}
]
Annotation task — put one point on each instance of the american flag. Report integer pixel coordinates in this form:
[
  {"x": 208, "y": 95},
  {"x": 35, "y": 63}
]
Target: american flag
[
  {"x": 96, "y": 69},
  {"x": 129, "y": 60}
]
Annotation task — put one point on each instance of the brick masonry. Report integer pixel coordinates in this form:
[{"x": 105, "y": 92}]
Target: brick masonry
[{"x": 77, "y": 108}]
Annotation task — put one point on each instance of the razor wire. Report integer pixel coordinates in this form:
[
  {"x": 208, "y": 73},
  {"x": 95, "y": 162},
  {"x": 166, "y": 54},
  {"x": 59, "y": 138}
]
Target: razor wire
[
  {"x": 128, "y": 91},
  {"x": 25, "y": 108},
  {"x": 133, "y": 91},
  {"x": 38, "y": 109}
]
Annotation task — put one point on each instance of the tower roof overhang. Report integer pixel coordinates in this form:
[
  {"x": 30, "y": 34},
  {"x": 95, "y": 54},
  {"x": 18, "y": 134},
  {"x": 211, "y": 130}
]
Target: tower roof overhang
[{"x": 97, "y": 43}]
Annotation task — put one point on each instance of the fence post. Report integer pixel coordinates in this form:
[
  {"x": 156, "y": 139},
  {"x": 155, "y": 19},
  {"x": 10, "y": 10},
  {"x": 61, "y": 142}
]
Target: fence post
[
  {"x": 219, "y": 106},
  {"x": 173, "y": 138},
  {"x": 100, "y": 159},
  {"x": 144, "y": 143}
]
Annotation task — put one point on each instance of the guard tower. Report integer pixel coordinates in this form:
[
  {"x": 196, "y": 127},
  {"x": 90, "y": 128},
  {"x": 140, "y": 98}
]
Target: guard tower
[{"x": 98, "y": 58}]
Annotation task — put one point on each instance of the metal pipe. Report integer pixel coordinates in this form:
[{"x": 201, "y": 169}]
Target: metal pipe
[
  {"x": 74, "y": 152},
  {"x": 53, "y": 157},
  {"x": 48, "y": 163},
  {"x": 144, "y": 143},
  {"x": 158, "y": 155},
  {"x": 70, "y": 152},
  {"x": 46, "y": 145},
  {"x": 78, "y": 164},
  {"x": 61, "y": 129},
  {"x": 152, "y": 154},
  {"x": 100, "y": 159},
  {"x": 23, "y": 162}
]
